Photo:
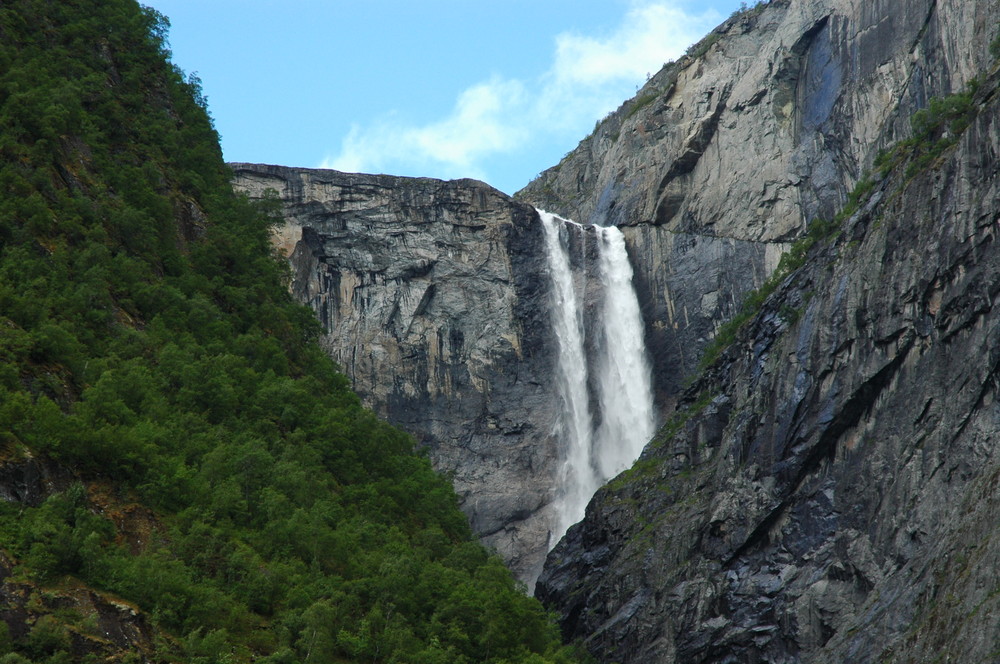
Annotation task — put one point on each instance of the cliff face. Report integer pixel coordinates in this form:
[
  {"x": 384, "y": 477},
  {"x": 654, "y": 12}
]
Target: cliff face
[
  {"x": 723, "y": 159},
  {"x": 432, "y": 299},
  {"x": 773, "y": 122},
  {"x": 825, "y": 491}
]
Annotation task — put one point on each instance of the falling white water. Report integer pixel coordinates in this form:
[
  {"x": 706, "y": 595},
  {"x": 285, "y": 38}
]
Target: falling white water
[
  {"x": 626, "y": 396},
  {"x": 624, "y": 399},
  {"x": 578, "y": 478}
]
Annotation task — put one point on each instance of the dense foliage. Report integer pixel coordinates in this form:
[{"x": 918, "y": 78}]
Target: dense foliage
[{"x": 147, "y": 343}]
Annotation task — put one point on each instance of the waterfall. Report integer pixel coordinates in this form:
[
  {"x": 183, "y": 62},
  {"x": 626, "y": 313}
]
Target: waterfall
[
  {"x": 626, "y": 395},
  {"x": 578, "y": 478},
  {"x": 607, "y": 411}
]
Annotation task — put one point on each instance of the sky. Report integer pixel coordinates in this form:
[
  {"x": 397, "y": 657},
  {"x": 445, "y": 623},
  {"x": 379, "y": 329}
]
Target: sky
[{"x": 497, "y": 90}]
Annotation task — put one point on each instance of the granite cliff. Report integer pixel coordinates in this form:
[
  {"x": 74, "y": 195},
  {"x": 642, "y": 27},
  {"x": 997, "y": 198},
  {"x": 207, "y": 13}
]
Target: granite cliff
[
  {"x": 436, "y": 299},
  {"x": 432, "y": 298},
  {"x": 824, "y": 490},
  {"x": 724, "y": 157},
  {"x": 827, "y": 490}
]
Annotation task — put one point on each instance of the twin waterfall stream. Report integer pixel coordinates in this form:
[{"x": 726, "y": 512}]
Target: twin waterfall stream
[{"x": 603, "y": 372}]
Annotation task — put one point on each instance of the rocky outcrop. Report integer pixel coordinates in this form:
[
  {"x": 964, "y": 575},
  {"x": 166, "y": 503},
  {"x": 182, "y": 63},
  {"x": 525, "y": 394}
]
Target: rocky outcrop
[
  {"x": 432, "y": 297},
  {"x": 29, "y": 480},
  {"x": 724, "y": 157},
  {"x": 826, "y": 491},
  {"x": 71, "y": 616},
  {"x": 114, "y": 629}
]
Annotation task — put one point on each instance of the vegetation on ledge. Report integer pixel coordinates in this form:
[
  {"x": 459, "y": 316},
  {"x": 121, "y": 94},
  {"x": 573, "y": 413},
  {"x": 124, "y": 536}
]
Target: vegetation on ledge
[{"x": 934, "y": 130}]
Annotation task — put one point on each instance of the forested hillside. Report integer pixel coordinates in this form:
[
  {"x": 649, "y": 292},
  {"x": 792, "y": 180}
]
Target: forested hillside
[{"x": 184, "y": 475}]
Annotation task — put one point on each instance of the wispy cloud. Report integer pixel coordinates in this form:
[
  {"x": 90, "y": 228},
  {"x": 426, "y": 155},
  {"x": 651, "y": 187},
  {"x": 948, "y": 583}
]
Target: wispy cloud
[
  {"x": 588, "y": 77},
  {"x": 483, "y": 122},
  {"x": 648, "y": 35}
]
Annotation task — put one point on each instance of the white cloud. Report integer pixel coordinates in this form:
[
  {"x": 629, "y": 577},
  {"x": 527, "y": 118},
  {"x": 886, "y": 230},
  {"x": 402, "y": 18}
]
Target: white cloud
[
  {"x": 649, "y": 35},
  {"x": 483, "y": 122},
  {"x": 588, "y": 77}
]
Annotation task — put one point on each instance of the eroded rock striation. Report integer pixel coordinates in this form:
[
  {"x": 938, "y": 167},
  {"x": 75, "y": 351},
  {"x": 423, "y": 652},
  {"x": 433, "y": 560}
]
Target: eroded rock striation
[
  {"x": 433, "y": 299},
  {"x": 826, "y": 490},
  {"x": 722, "y": 160}
]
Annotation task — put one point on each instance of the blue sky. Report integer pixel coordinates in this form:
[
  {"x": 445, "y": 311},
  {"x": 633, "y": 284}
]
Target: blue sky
[{"x": 494, "y": 90}]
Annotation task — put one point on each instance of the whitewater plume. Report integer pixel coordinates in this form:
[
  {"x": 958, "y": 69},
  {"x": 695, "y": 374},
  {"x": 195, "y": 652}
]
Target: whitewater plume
[
  {"x": 606, "y": 394},
  {"x": 626, "y": 395}
]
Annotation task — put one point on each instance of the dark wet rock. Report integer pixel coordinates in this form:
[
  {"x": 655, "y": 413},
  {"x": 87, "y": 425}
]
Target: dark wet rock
[
  {"x": 829, "y": 493},
  {"x": 28, "y": 480}
]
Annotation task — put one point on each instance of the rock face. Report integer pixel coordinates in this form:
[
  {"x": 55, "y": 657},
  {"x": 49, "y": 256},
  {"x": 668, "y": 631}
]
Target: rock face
[
  {"x": 723, "y": 159},
  {"x": 773, "y": 122},
  {"x": 432, "y": 297},
  {"x": 826, "y": 490}
]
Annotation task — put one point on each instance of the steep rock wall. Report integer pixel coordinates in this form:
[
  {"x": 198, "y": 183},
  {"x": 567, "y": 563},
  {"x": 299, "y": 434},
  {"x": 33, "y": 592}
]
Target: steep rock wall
[
  {"x": 432, "y": 296},
  {"x": 722, "y": 159},
  {"x": 827, "y": 491}
]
